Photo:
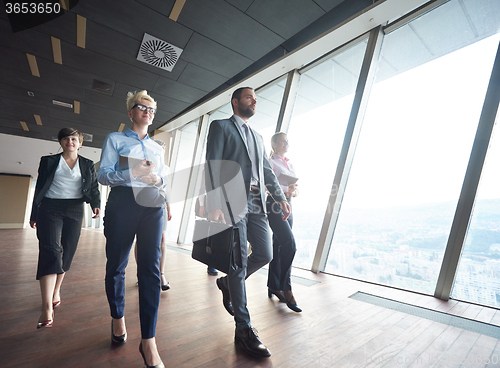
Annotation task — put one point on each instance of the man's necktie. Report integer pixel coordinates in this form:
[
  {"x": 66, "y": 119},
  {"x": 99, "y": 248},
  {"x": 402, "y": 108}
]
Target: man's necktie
[{"x": 252, "y": 154}]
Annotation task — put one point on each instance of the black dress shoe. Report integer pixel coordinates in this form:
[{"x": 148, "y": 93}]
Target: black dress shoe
[
  {"x": 290, "y": 301},
  {"x": 277, "y": 294},
  {"x": 117, "y": 339},
  {"x": 161, "y": 365},
  {"x": 249, "y": 340},
  {"x": 212, "y": 271},
  {"x": 226, "y": 297}
]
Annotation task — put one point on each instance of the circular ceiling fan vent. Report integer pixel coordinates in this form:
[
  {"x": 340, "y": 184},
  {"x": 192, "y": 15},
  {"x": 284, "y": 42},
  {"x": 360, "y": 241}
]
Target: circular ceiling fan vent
[{"x": 158, "y": 53}]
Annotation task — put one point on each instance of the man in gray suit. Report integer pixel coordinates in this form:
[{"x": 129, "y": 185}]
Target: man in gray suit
[{"x": 238, "y": 166}]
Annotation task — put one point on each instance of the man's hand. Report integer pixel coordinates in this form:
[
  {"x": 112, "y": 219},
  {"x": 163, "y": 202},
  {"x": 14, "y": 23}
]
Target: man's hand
[
  {"x": 97, "y": 212},
  {"x": 287, "y": 210},
  {"x": 217, "y": 215},
  {"x": 33, "y": 224}
]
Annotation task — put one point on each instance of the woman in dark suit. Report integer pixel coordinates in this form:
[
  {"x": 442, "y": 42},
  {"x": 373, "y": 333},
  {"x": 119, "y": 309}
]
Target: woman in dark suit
[{"x": 65, "y": 181}]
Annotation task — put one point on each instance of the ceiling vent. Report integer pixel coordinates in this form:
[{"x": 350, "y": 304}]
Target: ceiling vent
[
  {"x": 158, "y": 53},
  {"x": 87, "y": 137},
  {"x": 101, "y": 86}
]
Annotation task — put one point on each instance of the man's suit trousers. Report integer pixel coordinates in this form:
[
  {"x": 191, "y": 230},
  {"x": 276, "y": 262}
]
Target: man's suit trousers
[{"x": 254, "y": 229}]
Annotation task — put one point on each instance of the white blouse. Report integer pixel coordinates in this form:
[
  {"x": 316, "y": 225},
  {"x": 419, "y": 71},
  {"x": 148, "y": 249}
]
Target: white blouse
[
  {"x": 67, "y": 183},
  {"x": 280, "y": 166}
]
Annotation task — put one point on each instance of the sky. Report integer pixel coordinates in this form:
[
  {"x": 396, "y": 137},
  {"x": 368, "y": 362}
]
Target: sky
[{"x": 415, "y": 141}]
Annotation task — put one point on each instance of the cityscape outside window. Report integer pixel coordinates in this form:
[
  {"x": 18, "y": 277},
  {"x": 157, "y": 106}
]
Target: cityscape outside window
[
  {"x": 414, "y": 148},
  {"x": 478, "y": 274}
]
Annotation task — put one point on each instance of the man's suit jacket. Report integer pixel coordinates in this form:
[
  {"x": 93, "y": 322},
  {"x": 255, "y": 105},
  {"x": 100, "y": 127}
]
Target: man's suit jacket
[
  {"x": 46, "y": 172},
  {"x": 227, "y": 153}
]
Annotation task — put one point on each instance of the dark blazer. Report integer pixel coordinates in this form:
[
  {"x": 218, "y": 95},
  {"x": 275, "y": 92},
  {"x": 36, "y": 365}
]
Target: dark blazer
[
  {"x": 226, "y": 143},
  {"x": 46, "y": 172}
]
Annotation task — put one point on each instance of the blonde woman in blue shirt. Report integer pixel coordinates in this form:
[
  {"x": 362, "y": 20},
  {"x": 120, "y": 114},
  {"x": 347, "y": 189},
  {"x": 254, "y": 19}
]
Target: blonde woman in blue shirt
[{"x": 132, "y": 164}]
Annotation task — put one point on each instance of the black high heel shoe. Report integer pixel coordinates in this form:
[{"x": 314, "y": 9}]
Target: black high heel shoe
[
  {"x": 277, "y": 294},
  {"x": 292, "y": 305},
  {"x": 161, "y": 365},
  {"x": 117, "y": 339},
  {"x": 165, "y": 286}
]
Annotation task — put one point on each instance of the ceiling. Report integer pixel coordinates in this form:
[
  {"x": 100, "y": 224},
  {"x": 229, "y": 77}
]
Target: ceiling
[{"x": 222, "y": 42}]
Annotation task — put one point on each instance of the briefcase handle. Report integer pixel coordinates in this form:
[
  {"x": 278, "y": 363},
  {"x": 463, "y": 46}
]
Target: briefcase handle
[
  {"x": 225, "y": 195},
  {"x": 227, "y": 204}
]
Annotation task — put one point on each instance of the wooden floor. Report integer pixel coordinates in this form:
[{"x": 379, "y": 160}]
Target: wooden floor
[{"x": 194, "y": 330}]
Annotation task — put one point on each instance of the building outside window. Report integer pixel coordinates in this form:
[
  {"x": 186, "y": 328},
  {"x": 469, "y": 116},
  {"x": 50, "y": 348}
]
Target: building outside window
[{"x": 414, "y": 147}]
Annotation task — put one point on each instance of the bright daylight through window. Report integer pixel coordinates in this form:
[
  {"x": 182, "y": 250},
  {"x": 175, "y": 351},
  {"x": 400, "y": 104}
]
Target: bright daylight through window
[{"x": 414, "y": 148}]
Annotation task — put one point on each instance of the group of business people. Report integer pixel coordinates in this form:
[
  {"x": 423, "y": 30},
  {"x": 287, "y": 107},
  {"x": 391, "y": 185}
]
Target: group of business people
[{"x": 132, "y": 164}]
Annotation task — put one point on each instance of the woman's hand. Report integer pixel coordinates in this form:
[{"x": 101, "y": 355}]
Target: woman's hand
[
  {"x": 33, "y": 224},
  {"x": 292, "y": 190},
  {"x": 169, "y": 216},
  {"x": 201, "y": 211},
  {"x": 151, "y": 179},
  {"x": 97, "y": 213},
  {"x": 143, "y": 169}
]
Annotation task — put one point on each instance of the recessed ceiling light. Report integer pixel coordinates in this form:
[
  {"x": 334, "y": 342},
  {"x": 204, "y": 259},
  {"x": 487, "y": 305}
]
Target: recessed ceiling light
[
  {"x": 38, "y": 119},
  {"x": 76, "y": 110},
  {"x": 56, "y": 50},
  {"x": 24, "y": 125},
  {"x": 63, "y": 104},
  {"x": 81, "y": 30},
  {"x": 176, "y": 10},
  {"x": 33, "y": 65}
]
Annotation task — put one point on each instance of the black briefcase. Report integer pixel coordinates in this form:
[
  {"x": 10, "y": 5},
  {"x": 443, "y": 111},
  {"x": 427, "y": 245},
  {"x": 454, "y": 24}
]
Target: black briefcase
[{"x": 214, "y": 244}]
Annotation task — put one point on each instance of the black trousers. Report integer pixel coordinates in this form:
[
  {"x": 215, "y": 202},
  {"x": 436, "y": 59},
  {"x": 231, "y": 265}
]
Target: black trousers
[
  {"x": 284, "y": 247},
  {"x": 58, "y": 228}
]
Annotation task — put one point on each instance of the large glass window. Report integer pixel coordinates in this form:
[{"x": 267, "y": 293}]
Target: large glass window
[
  {"x": 316, "y": 132},
  {"x": 265, "y": 119},
  {"x": 197, "y": 176},
  {"x": 182, "y": 164},
  {"x": 414, "y": 147},
  {"x": 478, "y": 275}
]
